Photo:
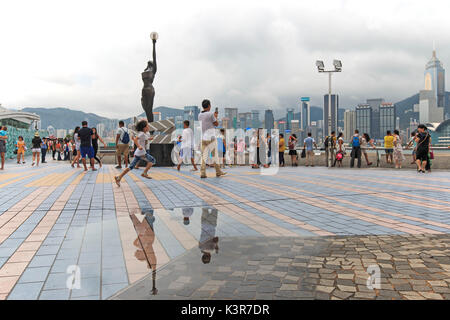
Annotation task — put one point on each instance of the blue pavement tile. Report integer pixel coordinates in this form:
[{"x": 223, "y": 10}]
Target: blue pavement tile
[
  {"x": 113, "y": 276},
  {"x": 59, "y": 294},
  {"x": 42, "y": 261},
  {"x": 110, "y": 289},
  {"x": 6, "y": 252},
  {"x": 56, "y": 281},
  {"x": 38, "y": 274},
  {"x": 89, "y": 287},
  {"x": 26, "y": 291},
  {"x": 44, "y": 250},
  {"x": 90, "y": 270}
]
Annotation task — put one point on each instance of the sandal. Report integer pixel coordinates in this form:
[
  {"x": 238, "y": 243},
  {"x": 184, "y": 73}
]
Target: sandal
[
  {"x": 117, "y": 180},
  {"x": 146, "y": 176}
]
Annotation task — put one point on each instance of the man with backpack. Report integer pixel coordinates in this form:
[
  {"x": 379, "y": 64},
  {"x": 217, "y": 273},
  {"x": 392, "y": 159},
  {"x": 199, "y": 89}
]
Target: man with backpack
[
  {"x": 356, "y": 150},
  {"x": 122, "y": 147}
]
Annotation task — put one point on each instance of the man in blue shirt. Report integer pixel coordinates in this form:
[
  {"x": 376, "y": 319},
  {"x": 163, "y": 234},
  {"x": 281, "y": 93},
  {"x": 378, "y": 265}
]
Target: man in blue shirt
[{"x": 308, "y": 145}]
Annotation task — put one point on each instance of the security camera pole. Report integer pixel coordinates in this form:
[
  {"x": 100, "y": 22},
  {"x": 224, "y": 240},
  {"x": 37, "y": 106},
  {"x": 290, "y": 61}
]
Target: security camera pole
[{"x": 337, "y": 68}]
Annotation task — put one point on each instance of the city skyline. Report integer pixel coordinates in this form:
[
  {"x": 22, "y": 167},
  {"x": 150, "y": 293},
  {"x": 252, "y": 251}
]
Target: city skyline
[{"x": 259, "y": 55}]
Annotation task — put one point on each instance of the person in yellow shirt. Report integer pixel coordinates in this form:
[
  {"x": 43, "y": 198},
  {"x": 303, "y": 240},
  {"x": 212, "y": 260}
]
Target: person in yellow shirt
[
  {"x": 281, "y": 148},
  {"x": 389, "y": 146},
  {"x": 20, "y": 150}
]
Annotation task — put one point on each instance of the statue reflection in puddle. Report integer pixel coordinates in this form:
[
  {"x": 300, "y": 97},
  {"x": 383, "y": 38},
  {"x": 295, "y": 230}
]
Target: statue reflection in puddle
[
  {"x": 187, "y": 213},
  {"x": 208, "y": 240},
  {"x": 144, "y": 242}
]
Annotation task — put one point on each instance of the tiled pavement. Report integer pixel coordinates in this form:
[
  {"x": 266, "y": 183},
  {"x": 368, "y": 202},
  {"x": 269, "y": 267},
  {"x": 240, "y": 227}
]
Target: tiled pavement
[{"x": 55, "y": 217}]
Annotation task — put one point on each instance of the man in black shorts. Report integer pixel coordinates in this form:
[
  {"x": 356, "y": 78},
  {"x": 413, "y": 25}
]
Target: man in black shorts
[{"x": 422, "y": 149}]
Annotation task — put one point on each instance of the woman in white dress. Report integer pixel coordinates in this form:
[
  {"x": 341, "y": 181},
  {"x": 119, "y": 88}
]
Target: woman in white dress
[{"x": 398, "y": 150}]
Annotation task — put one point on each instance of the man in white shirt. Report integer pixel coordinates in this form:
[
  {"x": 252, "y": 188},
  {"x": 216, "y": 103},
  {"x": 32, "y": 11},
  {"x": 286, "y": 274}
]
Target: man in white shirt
[
  {"x": 209, "y": 142},
  {"x": 187, "y": 145},
  {"x": 122, "y": 147}
]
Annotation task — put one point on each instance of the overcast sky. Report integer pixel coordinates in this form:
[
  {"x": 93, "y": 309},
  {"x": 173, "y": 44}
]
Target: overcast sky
[{"x": 89, "y": 55}]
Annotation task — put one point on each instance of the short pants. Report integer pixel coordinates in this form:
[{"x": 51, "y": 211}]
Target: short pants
[
  {"x": 147, "y": 157},
  {"x": 87, "y": 151}
]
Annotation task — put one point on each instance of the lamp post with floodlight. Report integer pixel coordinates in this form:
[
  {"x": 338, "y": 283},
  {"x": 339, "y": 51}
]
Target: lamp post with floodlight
[{"x": 337, "y": 68}]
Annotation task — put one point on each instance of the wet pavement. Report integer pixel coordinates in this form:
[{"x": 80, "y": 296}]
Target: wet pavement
[
  {"x": 66, "y": 234},
  {"x": 410, "y": 267}
]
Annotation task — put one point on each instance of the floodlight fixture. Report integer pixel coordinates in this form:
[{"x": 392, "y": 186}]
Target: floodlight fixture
[
  {"x": 320, "y": 65},
  {"x": 337, "y": 65}
]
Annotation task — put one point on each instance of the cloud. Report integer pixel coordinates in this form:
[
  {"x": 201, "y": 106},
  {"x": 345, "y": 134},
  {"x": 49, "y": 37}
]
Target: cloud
[{"x": 89, "y": 55}]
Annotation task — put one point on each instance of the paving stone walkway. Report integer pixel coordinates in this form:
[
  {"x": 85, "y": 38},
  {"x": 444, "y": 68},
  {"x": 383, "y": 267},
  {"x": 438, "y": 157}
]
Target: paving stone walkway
[
  {"x": 410, "y": 267},
  {"x": 58, "y": 224}
]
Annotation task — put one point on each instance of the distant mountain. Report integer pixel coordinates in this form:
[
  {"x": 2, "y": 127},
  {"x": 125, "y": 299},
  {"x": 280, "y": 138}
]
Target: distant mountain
[{"x": 64, "y": 118}]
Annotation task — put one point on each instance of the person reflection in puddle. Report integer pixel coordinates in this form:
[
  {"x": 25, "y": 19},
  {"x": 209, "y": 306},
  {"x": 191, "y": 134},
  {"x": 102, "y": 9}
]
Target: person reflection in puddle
[
  {"x": 208, "y": 240},
  {"x": 187, "y": 213},
  {"x": 144, "y": 242}
]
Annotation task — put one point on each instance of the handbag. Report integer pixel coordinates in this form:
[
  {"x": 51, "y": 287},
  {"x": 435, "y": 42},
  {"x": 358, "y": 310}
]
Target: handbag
[
  {"x": 431, "y": 154},
  {"x": 303, "y": 155}
]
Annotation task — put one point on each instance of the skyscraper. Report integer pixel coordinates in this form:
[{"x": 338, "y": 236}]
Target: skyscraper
[
  {"x": 435, "y": 79},
  {"x": 255, "y": 119},
  {"x": 334, "y": 113},
  {"x": 305, "y": 113},
  {"x": 268, "y": 119},
  {"x": 375, "y": 126},
  {"x": 289, "y": 117},
  {"x": 387, "y": 118},
  {"x": 349, "y": 124},
  {"x": 232, "y": 114},
  {"x": 191, "y": 113},
  {"x": 364, "y": 119}
]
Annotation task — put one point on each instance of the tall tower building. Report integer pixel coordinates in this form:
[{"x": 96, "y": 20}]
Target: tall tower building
[
  {"x": 289, "y": 117},
  {"x": 349, "y": 124},
  {"x": 364, "y": 119},
  {"x": 255, "y": 119},
  {"x": 268, "y": 120},
  {"x": 305, "y": 113},
  {"x": 435, "y": 79},
  {"x": 334, "y": 113},
  {"x": 232, "y": 115}
]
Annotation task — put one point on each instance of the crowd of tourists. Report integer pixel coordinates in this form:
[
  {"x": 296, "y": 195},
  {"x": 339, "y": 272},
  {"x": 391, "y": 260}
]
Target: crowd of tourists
[{"x": 216, "y": 151}]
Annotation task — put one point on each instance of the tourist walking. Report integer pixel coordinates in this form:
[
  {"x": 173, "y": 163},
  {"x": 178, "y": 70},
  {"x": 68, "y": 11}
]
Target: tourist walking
[
  {"x": 240, "y": 152},
  {"x": 356, "y": 150},
  {"x": 122, "y": 144},
  {"x": 187, "y": 146},
  {"x": 398, "y": 150},
  {"x": 281, "y": 148},
  {"x": 53, "y": 147},
  {"x": 142, "y": 128},
  {"x": 309, "y": 143},
  {"x": 86, "y": 135},
  {"x": 422, "y": 149},
  {"x": 36, "y": 150},
  {"x": 21, "y": 147},
  {"x": 221, "y": 147},
  {"x": 209, "y": 121},
  {"x": 412, "y": 142},
  {"x": 95, "y": 140},
  {"x": 389, "y": 146},
  {"x": 3, "y": 138},
  {"x": 77, "y": 153},
  {"x": 269, "y": 147},
  {"x": 44, "y": 148},
  {"x": 365, "y": 142},
  {"x": 340, "y": 150},
  {"x": 292, "y": 142}
]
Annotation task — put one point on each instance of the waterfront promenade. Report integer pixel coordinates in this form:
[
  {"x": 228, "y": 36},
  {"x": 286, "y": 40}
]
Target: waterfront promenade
[{"x": 302, "y": 233}]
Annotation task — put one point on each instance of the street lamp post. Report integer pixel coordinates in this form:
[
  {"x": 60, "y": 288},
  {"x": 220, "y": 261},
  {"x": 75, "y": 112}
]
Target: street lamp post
[{"x": 337, "y": 68}]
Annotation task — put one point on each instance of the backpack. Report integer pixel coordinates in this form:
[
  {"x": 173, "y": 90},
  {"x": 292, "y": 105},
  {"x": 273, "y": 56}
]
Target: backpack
[
  {"x": 327, "y": 141},
  {"x": 126, "y": 137},
  {"x": 355, "y": 142}
]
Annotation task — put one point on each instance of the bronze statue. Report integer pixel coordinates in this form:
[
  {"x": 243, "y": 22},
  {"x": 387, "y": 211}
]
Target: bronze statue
[{"x": 148, "y": 92}]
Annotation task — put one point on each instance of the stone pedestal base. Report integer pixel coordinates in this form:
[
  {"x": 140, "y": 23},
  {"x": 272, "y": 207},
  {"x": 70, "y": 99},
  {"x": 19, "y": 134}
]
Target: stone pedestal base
[{"x": 161, "y": 153}]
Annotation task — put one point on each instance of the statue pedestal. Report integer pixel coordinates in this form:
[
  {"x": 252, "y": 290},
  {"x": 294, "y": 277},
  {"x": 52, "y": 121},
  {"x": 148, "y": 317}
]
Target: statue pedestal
[{"x": 162, "y": 154}]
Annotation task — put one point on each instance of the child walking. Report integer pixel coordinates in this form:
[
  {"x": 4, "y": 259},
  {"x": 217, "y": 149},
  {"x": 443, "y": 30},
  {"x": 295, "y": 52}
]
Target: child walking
[{"x": 140, "y": 153}]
